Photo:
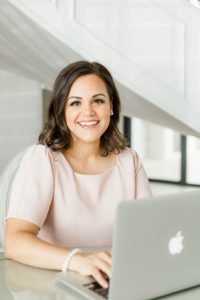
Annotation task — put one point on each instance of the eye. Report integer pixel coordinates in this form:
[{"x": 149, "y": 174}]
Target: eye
[
  {"x": 75, "y": 103},
  {"x": 99, "y": 101}
]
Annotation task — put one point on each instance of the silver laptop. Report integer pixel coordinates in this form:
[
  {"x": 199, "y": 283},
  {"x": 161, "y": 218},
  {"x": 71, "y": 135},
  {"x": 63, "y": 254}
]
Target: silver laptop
[{"x": 156, "y": 250}]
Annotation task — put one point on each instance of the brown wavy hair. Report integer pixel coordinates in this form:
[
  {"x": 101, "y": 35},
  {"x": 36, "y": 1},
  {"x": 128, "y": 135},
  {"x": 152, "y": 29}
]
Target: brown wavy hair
[{"x": 56, "y": 134}]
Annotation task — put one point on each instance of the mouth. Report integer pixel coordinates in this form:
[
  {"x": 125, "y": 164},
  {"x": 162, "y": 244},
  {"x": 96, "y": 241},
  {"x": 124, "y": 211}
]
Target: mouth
[{"x": 88, "y": 124}]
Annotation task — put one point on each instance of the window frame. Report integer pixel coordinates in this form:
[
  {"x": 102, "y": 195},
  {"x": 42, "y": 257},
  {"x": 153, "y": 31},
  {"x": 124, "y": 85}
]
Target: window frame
[{"x": 183, "y": 149}]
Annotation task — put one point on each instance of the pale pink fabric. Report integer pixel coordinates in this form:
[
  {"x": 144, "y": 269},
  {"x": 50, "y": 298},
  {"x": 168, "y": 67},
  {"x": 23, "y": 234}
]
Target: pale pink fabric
[{"x": 74, "y": 210}]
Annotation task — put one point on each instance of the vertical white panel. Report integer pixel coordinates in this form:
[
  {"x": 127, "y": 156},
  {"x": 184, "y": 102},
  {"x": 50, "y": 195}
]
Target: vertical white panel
[{"x": 20, "y": 115}]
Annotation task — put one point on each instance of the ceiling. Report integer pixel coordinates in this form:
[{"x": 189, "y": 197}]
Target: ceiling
[
  {"x": 31, "y": 51},
  {"x": 27, "y": 49}
]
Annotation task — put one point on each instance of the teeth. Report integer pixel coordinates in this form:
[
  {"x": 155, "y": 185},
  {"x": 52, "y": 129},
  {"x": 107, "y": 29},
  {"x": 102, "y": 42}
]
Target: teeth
[{"x": 88, "y": 123}]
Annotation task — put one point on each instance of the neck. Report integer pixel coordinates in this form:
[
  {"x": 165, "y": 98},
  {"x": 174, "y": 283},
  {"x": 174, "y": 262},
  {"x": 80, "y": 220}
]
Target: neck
[{"x": 83, "y": 151}]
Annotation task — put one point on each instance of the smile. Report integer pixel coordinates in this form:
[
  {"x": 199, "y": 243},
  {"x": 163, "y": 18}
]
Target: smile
[{"x": 88, "y": 123}]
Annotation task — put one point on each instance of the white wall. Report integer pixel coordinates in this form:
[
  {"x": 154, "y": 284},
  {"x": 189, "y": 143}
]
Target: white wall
[
  {"x": 20, "y": 115},
  {"x": 150, "y": 46}
]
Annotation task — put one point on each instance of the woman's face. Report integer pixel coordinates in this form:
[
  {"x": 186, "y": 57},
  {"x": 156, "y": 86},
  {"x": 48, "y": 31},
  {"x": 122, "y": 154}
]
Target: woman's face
[{"x": 88, "y": 109}]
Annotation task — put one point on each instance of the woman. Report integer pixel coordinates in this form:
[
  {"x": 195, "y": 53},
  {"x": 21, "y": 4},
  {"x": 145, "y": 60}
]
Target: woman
[{"x": 68, "y": 185}]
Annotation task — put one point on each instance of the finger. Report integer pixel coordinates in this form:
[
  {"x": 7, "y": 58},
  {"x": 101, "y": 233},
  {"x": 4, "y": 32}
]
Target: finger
[
  {"x": 103, "y": 266},
  {"x": 106, "y": 257},
  {"x": 109, "y": 252},
  {"x": 99, "y": 278}
]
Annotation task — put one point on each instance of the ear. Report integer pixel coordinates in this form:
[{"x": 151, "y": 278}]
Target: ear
[{"x": 111, "y": 109}]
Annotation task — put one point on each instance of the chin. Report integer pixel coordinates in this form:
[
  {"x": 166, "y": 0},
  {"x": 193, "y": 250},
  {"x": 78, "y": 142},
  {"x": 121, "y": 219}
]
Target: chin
[
  {"x": 86, "y": 140},
  {"x": 92, "y": 141}
]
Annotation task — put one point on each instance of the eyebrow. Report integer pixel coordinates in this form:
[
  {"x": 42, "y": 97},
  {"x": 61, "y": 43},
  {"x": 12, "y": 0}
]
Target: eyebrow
[
  {"x": 76, "y": 97},
  {"x": 100, "y": 94}
]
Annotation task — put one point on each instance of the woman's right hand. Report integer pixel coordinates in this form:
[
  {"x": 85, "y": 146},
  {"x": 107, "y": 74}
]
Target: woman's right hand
[{"x": 94, "y": 264}]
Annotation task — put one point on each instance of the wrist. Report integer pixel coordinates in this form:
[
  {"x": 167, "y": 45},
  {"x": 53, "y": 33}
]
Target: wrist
[
  {"x": 75, "y": 261},
  {"x": 68, "y": 260}
]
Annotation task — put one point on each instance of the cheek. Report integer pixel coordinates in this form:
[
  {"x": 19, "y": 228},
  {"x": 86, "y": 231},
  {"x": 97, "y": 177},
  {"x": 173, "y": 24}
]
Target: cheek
[
  {"x": 106, "y": 113},
  {"x": 70, "y": 117}
]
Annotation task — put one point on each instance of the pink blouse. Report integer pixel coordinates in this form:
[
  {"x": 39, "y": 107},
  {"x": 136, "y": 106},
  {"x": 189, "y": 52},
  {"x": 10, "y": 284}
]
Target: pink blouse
[{"x": 72, "y": 209}]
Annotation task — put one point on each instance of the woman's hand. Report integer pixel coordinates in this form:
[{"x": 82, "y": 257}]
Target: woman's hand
[{"x": 94, "y": 264}]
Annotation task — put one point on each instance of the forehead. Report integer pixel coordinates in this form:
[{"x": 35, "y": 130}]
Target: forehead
[{"x": 89, "y": 84}]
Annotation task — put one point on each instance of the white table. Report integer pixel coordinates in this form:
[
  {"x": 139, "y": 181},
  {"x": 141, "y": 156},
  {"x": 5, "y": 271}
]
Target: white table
[{"x": 21, "y": 282}]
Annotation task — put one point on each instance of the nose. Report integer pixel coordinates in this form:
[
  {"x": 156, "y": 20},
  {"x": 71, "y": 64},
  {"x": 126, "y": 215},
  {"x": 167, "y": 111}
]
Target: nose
[{"x": 88, "y": 110}]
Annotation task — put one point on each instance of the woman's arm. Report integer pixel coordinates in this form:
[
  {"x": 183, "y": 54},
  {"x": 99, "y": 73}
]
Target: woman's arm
[{"x": 23, "y": 245}]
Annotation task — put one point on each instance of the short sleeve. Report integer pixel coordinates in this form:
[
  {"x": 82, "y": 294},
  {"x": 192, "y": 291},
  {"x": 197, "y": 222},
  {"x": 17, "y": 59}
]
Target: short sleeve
[
  {"x": 33, "y": 187},
  {"x": 142, "y": 186}
]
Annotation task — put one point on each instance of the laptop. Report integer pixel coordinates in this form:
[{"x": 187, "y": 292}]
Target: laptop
[{"x": 156, "y": 250}]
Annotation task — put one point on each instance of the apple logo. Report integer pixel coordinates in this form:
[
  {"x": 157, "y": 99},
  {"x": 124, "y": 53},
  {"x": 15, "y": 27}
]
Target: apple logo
[{"x": 176, "y": 244}]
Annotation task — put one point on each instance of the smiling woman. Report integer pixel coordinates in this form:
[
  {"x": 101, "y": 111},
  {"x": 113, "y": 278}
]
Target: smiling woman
[
  {"x": 88, "y": 109},
  {"x": 79, "y": 85},
  {"x": 68, "y": 185}
]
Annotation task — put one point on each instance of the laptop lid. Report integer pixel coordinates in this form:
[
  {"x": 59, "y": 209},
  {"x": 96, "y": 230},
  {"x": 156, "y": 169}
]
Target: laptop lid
[
  {"x": 156, "y": 249},
  {"x": 156, "y": 246}
]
